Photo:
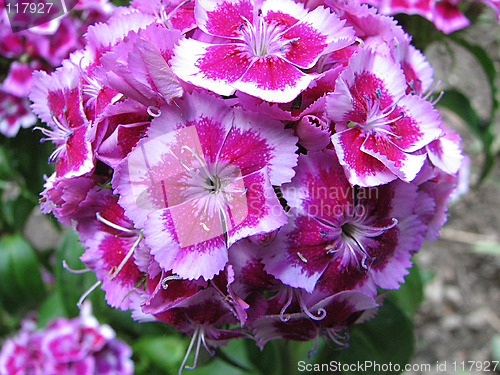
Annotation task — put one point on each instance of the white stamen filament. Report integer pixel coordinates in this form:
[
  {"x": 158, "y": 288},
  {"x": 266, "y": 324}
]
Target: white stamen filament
[
  {"x": 92, "y": 88},
  {"x": 286, "y": 306},
  {"x": 85, "y": 295},
  {"x": 211, "y": 352},
  {"x": 165, "y": 280},
  {"x": 197, "y": 352},
  {"x": 262, "y": 38},
  {"x": 199, "y": 337},
  {"x": 305, "y": 310},
  {"x": 115, "y": 226},
  {"x": 165, "y": 17},
  {"x": 154, "y": 111},
  {"x": 58, "y": 134},
  {"x": 336, "y": 337},
  {"x": 68, "y": 268},
  {"x": 126, "y": 258}
]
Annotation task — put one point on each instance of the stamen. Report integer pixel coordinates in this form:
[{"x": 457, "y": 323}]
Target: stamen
[
  {"x": 164, "y": 282},
  {"x": 211, "y": 352},
  {"x": 314, "y": 350},
  {"x": 431, "y": 90},
  {"x": 197, "y": 352},
  {"x": 336, "y": 337},
  {"x": 190, "y": 347},
  {"x": 301, "y": 257},
  {"x": 113, "y": 225},
  {"x": 68, "y": 268},
  {"x": 85, "y": 295},
  {"x": 127, "y": 257},
  {"x": 286, "y": 306},
  {"x": 435, "y": 101},
  {"x": 154, "y": 111},
  {"x": 321, "y": 312}
]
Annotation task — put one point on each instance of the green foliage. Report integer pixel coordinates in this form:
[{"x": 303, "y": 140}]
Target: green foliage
[
  {"x": 162, "y": 352},
  {"x": 70, "y": 285},
  {"x": 386, "y": 339},
  {"x": 411, "y": 294},
  {"x": 495, "y": 348},
  {"x": 23, "y": 163},
  {"x": 21, "y": 284},
  {"x": 423, "y": 35}
]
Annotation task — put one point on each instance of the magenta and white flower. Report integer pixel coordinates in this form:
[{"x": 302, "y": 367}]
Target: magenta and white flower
[
  {"x": 58, "y": 102},
  {"x": 445, "y": 14},
  {"x": 364, "y": 233},
  {"x": 273, "y": 164},
  {"x": 67, "y": 346},
  {"x": 202, "y": 179},
  {"x": 14, "y": 114},
  {"x": 112, "y": 244},
  {"x": 267, "y": 46},
  {"x": 378, "y": 127}
]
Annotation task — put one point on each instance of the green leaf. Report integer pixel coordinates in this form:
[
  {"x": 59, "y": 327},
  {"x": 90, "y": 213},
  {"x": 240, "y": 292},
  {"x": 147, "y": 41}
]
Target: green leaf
[
  {"x": 485, "y": 128},
  {"x": 264, "y": 361},
  {"x": 71, "y": 285},
  {"x": 28, "y": 157},
  {"x": 411, "y": 294},
  {"x": 52, "y": 307},
  {"x": 457, "y": 102},
  {"x": 17, "y": 211},
  {"x": 165, "y": 353},
  {"x": 495, "y": 347},
  {"x": 488, "y": 66},
  {"x": 21, "y": 284},
  {"x": 386, "y": 339}
]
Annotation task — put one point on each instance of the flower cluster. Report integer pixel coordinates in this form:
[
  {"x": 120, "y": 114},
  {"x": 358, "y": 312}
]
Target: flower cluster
[
  {"x": 66, "y": 346},
  {"x": 255, "y": 168},
  {"x": 446, "y": 15},
  {"x": 41, "y": 47}
]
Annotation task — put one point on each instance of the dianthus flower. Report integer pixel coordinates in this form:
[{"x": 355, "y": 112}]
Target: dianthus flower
[
  {"x": 247, "y": 168},
  {"x": 267, "y": 47},
  {"x": 378, "y": 127},
  {"x": 42, "y": 47},
  {"x": 66, "y": 346},
  {"x": 202, "y": 179}
]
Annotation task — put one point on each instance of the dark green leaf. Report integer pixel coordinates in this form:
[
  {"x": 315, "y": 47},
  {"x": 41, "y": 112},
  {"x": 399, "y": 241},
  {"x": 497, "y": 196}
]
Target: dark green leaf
[
  {"x": 488, "y": 66},
  {"x": 165, "y": 352},
  {"x": 386, "y": 339},
  {"x": 21, "y": 285},
  {"x": 457, "y": 102},
  {"x": 411, "y": 294},
  {"x": 71, "y": 285},
  {"x": 484, "y": 129},
  {"x": 264, "y": 361},
  {"x": 52, "y": 307},
  {"x": 17, "y": 211}
]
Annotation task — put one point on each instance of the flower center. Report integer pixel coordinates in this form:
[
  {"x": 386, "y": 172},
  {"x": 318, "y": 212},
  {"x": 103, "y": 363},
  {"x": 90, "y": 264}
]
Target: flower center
[
  {"x": 214, "y": 184},
  {"x": 378, "y": 121},
  {"x": 348, "y": 243},
  {"x": 263, "y": 38},
  {"x": 349, "y": 229}
]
